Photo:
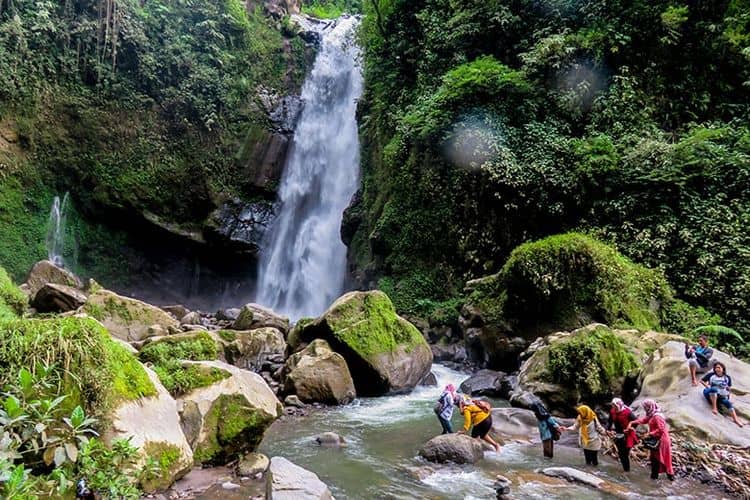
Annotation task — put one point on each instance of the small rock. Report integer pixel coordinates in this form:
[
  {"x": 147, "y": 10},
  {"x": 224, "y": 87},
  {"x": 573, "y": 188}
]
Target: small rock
[
  {"x": 502, "y": 486},
  {"x": 429, "y": 380},
  {"x": 230, "y": 314},
  {"x": 191, "y": 318},
  {"x": 253, "y": 464},
  {"x": 293, "y": 400},
  {"x": 230, "y": 486},
  {"x": 177, "y": 310},
  {"x": 156, "y": 331},
  {"x": 330, "y": 440}
]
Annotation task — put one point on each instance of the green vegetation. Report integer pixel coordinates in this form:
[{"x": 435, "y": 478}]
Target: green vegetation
[
  {"x": 12, "y": 300},
  {"x": 330, "y": 9},
  {"x": 180, "y": 378},
  {"x": 489, "y": 124},
  {"x": 592, "y": 363},
  {"x": 162, "y": 464}
]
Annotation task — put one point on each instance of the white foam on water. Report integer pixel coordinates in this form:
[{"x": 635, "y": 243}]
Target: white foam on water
[{"x": 461, "y": 484}]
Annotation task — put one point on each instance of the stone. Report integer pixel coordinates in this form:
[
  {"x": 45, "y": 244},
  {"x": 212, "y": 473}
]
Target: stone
[
  {"x": 177, "y": 310},
  {"x": 44, "y": 272},
  {"x": 250, "y": 349},
  {"x": 253, "y": 316},
  {"x": 287, "y": 481},
  {"x": 483, "y": 383},
  {"x": 153, "y": 426},
  {"x": 665, "y": 379},
  {"x": 228, "y": 485},
  {"x": 230, "y": 314},
  {"x": 239, "y": 226},
  {"x": 293, "y": 400},
  {"x": 384, "y": 352},
  {"x": 517, "y": 424},
  {"x": 429, "y": 380},
  {"x": 574, "y": 475},
  {"x": 252, "y": 464},
  {"x": 455, "y": 352},
  {"x": 125, "y": 318},
  {"x": 456, "y": 448},
  {"x": 58, "y": 298},
  {"x": 234, "y": 413},
  {"x": 318, "y": 374},
  {"x": 191, "y": 318},
  {"x": 330, "y": 440}
]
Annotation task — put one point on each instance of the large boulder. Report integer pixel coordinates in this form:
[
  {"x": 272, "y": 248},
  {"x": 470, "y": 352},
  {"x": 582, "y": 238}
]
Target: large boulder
[
  {"x": 457, "y": 448},
  {"x": 249, "y": 349},
  {"x": 45, "y": 272},
  {"x": 227, "y": 418},
  {"x": 484, "y": 383},
  {"x": 58, "y": 298},
  {"x": 152, "y": 424},
  {"x": 318, "y": 374},
  {"x": 254, "y": 316},
  {"x": 665, "y": 379},
  {"x": 384, "y": 352},
  {"x": 590, "y": 364},
  {"x": 287, "y": 481},
  {"x": 518, "y": 424},
  {"x": 125, "y": 318}
]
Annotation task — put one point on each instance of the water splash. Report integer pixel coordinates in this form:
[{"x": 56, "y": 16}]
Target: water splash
[
  {"x": 303, "y": 261},
  {"x": 56, "y": 230}
]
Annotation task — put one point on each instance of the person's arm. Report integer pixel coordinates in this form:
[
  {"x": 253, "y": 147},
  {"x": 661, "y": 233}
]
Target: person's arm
[
  {"x": 611, "y": 420},
  {"x": 688, "y": 352},
  {"x": 729, "y": 386},
  {"x": 573, "y": 427},
  {"x": 636, "y": 422},
  {"x": 467, "y": 419},
  {"x": 599, "y": 427},
  {"x": 661, "y": 427},
  {"x": 705, "y": 378}
]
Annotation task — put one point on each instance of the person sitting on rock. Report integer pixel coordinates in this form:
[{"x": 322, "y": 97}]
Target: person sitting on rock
[
  {"x": 549, "y": 429},
  {"x": 698, "y": 357},
  {"x": 479, "y": 414},
  {"x": 589, "y": 432},
  {"x": 620, "y": 415},
  {"x": 444, "y": 408},
  {"x": 717, "y": 384},
  {"x": 661, "y": 454}
]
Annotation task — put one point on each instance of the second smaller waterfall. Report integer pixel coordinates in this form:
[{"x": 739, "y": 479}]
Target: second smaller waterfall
[{"x": 56, "y": 230}]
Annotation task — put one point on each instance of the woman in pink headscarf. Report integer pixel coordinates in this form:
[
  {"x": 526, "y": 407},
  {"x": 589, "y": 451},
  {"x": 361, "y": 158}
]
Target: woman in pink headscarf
[
  {"x": 444, "y": 408},
  {"x": 661, "y": 456}
]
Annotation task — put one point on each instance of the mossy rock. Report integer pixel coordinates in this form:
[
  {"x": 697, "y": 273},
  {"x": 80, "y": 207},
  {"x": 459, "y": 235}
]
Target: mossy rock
[
  {"x": 317, "y": 374},
  {"x": 384, "y": 352},
  {"x": 127, "y": 319},
  {"x": 563, "y": 282},
  {"x": 588, "y": 365},
  {"x": 100, "y": 372},
  {"x": 12, "y": 300},
  {"x": 194, "y": 346},
  {"x": 248, "y": 349},
  {"x": 232, "y": 414}
]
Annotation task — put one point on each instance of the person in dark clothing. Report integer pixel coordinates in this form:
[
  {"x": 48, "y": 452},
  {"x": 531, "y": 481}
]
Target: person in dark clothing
[
  {"x": 698, "y": 357},
  {"x": 548, "y": 428},
  {"x": 620, "y": 415}
]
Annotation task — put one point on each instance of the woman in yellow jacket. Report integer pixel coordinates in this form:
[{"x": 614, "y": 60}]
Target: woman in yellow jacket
[{"x": 480, "y": 418}]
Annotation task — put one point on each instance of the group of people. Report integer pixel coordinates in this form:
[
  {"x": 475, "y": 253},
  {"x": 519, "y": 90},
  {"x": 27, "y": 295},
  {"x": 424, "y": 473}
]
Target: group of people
[
  {"x": 622, "y": 422},
  {"x": 715, "y": 381},
  {"x": 620, "y": 426},
  {"x": 477, "y": 414}
]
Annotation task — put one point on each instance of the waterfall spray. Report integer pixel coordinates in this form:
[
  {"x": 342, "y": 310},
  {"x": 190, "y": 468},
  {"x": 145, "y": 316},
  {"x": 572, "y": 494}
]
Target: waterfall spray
[{"x": 56, "y": 230}]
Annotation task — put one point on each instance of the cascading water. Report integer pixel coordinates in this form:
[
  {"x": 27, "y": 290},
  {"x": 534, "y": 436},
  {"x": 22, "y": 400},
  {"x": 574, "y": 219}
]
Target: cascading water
[
  {"x": 303, "y": 261},
  {"x": 56, "y": 230}
]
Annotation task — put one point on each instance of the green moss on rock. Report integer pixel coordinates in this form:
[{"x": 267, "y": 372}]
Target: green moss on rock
[
  {"x": 195, "y": 347},
  {"x": 180, "y": 378},
  {"x": 230, "y": 428},
  {"x": 166, "y": 457},
  {"x": 12, "y": 300}
]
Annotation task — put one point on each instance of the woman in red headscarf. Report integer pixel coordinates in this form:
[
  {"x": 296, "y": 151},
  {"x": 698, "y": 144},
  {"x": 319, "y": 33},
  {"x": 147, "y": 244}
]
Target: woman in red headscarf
[
  {"x": 620, "y": 415},
  {"x": 661, "y": 455}
]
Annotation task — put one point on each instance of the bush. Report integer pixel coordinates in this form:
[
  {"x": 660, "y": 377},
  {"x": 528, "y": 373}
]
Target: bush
[{"x": 12, "y": 300}]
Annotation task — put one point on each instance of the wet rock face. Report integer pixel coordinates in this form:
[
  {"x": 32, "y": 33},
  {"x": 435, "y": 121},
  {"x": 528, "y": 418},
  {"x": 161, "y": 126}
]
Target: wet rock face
[
  {"x": 457, "y": 448},
  {"x": 239, "y": 226},
  {"x": 287, "y": 481}
]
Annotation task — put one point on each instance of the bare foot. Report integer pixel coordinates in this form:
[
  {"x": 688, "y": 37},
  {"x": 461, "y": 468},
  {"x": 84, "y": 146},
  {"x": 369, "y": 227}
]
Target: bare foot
[
  {"x": 695, "y": 383},
  {"x": 739, "y": 424},
  {"x": 715, "y": 411}
]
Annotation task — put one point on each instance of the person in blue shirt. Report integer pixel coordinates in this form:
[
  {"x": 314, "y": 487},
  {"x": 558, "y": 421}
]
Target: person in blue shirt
[
  {"x": 698, "y": 357},
  {"x": 717, "y": 390},
  {"x": 444, "y": 408},
  {"x": 549, "y": 429}
]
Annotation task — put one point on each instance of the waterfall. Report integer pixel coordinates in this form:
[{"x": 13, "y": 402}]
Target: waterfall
[
  {"x": 56, "y": 230},
  {"x": 303, "y": 260}
]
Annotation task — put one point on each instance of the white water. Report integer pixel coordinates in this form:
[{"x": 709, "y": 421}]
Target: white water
[
  {"x": 56, "y": 230},
  {"x": 303, "y": 260}
]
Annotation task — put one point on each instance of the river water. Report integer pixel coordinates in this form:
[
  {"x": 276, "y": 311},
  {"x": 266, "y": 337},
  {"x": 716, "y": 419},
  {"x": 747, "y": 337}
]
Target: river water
[{"x": 381, "y": 460}]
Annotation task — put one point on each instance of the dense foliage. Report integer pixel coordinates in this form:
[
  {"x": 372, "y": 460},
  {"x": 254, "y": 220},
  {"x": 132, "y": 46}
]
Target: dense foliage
[
  {"x": 490, "y": 123},
  {"x": 135, "y": 107}
]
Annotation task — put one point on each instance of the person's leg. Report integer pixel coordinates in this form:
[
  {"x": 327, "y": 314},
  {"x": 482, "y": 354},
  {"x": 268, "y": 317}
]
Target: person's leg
[
  {"x": 487, "y": 438},
  {"x": 710, "y": 394},
  {"x": 654, "y": 467},
  {"x": 445, "y": 424},
  {"x": 624, "y": 453},
  {"x": 548, "y": 447},
  {"x": 594, "y": 458},
  {"x": 693, "y": 366},
  {"x": 725, "y": 402},
  {"x": 590, "y": 457}
]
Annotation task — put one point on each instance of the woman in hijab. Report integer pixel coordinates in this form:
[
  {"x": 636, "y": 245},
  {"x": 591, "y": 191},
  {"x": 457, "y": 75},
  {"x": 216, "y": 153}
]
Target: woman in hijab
[
  {"x": 620, "y": 415},
  {"x": 661, "y": 455},
  {"x": 589, "y": 434},
  {"x": 548, "y": 427},
  {"x": 444, "y": 408}
]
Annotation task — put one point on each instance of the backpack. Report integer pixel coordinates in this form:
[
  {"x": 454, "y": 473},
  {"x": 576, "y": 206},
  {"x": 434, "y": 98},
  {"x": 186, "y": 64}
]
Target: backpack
[
  {"x": 484, "y": 405},
  {"x": 439, "y": 405}
]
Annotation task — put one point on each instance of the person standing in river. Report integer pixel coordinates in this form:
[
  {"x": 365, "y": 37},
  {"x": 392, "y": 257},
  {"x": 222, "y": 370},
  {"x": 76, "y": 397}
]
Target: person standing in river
[
  {"x": 589, "y": 434},
  {"x": 549, "y": 429},
  {"x": 620, "y": 415},
  {"x": 661, "y": 450},
  {"x": 478, "y": 413},
  {"x": 444, "y": 408}
]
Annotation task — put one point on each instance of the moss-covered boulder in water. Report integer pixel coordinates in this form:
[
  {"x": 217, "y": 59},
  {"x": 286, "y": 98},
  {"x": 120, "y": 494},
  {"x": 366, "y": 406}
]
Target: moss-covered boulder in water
[
  {"x": 384, "y": 352},
  {"x": 227, "y": 418},
  {"x": 588, "y": 365},
  {"x": 560, "y": 283},
  {"x": 127, "y": 319}
]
